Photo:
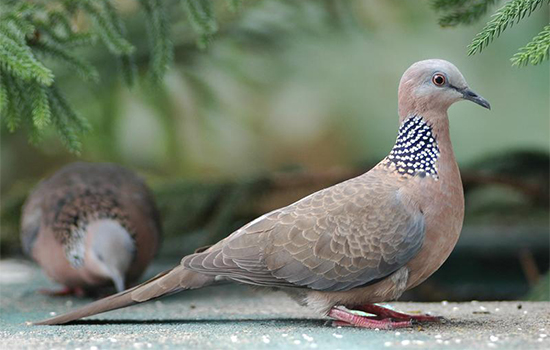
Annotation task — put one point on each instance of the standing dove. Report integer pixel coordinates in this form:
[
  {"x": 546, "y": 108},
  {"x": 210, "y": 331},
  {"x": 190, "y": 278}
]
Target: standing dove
[
  {"x": 362, "y": 241},
  {"x": 90, "y": 225}
]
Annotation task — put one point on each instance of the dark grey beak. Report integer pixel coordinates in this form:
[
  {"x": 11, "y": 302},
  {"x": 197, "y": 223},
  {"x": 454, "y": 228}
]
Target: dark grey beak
[{"x": 469, "y": 95}]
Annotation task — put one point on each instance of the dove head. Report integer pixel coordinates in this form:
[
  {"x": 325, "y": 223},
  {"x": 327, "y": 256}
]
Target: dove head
[
  {"x": 430, "y": 87},
  {"x": 110, "y": 251}
]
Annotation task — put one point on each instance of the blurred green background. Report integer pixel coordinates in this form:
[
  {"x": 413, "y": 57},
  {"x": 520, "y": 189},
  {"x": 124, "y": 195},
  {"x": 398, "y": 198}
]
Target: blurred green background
[{"x": 292, "y": 96}]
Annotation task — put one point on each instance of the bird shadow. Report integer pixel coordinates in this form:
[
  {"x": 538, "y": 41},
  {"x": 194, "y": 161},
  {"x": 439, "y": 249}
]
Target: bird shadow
[
  {"x": 275, "y": 322},
  {"x": 271, "y": 321}
]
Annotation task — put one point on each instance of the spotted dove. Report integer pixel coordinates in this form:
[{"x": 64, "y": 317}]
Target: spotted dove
[
  {"x": 90, "y": 225},
  {"x": 360, "y": 242}
]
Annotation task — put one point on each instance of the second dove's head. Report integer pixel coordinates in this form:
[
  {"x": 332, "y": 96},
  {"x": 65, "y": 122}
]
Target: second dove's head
[{"x": 433, "y": 86}]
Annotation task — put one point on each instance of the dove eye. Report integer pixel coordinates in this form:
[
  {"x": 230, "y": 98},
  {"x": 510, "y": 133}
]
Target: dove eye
[{"x": 439, "y": 79}]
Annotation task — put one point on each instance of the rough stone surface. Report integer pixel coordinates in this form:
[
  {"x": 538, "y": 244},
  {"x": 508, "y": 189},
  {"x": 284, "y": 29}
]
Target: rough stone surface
[{"x": 236, "y": 317}]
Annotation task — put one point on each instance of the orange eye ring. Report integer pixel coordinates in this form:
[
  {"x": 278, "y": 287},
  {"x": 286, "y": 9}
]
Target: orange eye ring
[{"x": 439, "y": 79}]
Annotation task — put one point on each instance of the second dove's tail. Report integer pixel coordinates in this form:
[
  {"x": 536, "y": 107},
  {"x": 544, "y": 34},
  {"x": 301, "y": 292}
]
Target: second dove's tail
[{"x": 165, "y": 283}]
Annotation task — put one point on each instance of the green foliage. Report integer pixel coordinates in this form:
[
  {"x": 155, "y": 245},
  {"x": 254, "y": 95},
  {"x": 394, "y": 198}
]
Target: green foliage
[
  {"x": 201, "y": 17},
  {"x": 159, "y": 37},
  {"x": 457, "y": 12},
  {"x": 511, "y": 13},
  {"x": 35, "y": 33},
  {"x": 461, "y": 11},
  {"x": 535, "y": 51}
]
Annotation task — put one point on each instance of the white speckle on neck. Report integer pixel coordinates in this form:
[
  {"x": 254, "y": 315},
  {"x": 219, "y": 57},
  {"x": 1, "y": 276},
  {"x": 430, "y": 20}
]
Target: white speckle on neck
[{"x": 415, "y": 151}]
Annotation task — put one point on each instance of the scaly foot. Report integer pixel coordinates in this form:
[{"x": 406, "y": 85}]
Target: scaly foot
[
  {"x": 385, "y": 313},
  {"x": 346, "y": 318}
]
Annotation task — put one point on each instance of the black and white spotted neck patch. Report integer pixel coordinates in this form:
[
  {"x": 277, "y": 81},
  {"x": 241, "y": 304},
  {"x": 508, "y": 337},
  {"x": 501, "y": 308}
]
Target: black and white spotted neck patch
[{"x": 415, "y": 151}]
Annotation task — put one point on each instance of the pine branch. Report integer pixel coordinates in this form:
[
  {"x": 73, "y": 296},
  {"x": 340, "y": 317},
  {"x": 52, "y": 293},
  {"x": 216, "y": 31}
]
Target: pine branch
[
  {"x": 20, "y": 61},
  {"x": 16, "y": 107},
  {"x": 444, "y": 5},
  {"x": 511, "y": 13},
  {"x": 126, "y": 61},
  {"x": 536, "y": 51},
  {"x": 202, "y": 19},
  {"x": 4, "y": 99},
  {"x": 82, "y": 67},
  {"x": 466, "y": 14},
  {"x": 159, "y": 37},
  {"x": 234, "y": 5},
  {"x": 107, "y": 28},
  {"x": 41, "y": 114},
  {"x": 69, "y": 126}
]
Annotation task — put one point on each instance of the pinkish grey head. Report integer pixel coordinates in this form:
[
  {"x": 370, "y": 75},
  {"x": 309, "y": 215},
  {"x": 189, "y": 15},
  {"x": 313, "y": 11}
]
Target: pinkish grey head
[{"x": 433, "y": 86}]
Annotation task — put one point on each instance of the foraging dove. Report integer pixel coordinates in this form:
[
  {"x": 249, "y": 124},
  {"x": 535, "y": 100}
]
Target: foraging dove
[
  {"x": 90, "y": 225},
  {"x": 363, "y": 241}
]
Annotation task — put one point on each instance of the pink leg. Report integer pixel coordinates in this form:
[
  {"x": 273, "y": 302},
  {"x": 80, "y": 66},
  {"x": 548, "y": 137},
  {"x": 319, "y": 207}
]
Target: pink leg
[
  {"x": 346, "y": 318},
  {"x": 384, "y": 313}
]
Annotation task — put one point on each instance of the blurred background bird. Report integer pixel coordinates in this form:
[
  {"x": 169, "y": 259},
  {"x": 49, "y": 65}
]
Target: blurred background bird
[{"x": 91, "y": 225}]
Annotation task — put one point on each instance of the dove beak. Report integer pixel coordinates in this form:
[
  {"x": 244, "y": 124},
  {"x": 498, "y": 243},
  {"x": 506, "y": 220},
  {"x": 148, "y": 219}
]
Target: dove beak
[{"x": 469, "y": 95}]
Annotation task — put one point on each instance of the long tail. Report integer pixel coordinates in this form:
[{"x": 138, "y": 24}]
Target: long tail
[{"x": 167, "y": 282}]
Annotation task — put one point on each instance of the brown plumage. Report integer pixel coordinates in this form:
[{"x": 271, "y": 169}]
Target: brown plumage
[
  {"x": 90, "y": 225},
  {"x": 362, "y": 241}
]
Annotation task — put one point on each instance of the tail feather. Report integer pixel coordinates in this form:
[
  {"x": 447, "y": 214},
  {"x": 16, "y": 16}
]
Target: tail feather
[{"x": 167, "y": 282}]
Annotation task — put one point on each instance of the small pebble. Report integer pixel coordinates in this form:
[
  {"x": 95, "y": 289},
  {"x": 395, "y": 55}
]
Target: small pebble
[
  {"x": 388, "y": 344},
  {"x": 234, "y": 339},
  {"x": 497, "y": 309},
  {"x": 482, "y": 308},
  {"x": 297, "y": 342},
  {"x": 439, "y": 341},
  {"x": 543, "y": 335},
  {"x": 418, "y": 342},
  {"x": 525, "y": 312},
  {"x": 444, "y": 303},
  {"x": 307, "y": 337},
  {"x": 93, "y": 347},
  {"x": 438, "y": 336},
  {"x": 265, "y": 339},
  {"x": 493, "y": 338},
  {"x": 398, "y": 333},
  {"x": 455, "y": 308},
  {"x": 53, "y": 313},
  {"x": 458, "y": 341},
  {"x": 313, "y": 345},
  {"x": 285, "y": 335},
  {"x": 492, "y": 345},
  {"x": 405, "y": 342},
  {"x": 446, "y": 342},
  {"x": 337, "y": 335},
  {"x": 540, "y": 339}
]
